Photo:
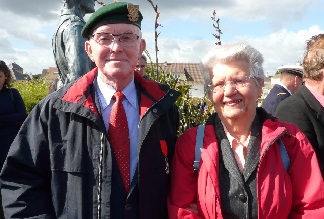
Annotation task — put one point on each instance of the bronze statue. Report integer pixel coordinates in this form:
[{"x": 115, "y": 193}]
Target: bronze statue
[{"x": 68, "y": 45}]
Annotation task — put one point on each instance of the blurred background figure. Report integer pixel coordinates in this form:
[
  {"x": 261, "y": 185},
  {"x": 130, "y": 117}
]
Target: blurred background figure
[
  {"x": 12, "y": 113},
  {"x": 291, "y": 79},
  {"x": 141, "y": 66},
  {"x": 68, "y": 45},
  {"x": 201, "y": 105},
  {"x": 305, "y": 107}
]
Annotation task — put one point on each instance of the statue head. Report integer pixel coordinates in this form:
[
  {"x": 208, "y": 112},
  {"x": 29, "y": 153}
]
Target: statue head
[{"x": 88, "y": 6}]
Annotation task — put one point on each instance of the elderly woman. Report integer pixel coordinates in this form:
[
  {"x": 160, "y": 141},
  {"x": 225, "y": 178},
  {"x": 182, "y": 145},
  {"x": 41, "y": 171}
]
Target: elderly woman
[{"x": 252, "y": 165}]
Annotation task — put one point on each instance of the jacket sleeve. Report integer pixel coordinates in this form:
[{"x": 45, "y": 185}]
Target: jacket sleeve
[
  {"x": 307, "y": 181},
  {"x": 25, "y": 177},
  {"x": 183, "y": 190}
]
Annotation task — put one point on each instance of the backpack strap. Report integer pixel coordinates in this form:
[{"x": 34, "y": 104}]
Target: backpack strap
[
  {"x": 284, "y": 155},
  {"x": 199, "y": 145}
]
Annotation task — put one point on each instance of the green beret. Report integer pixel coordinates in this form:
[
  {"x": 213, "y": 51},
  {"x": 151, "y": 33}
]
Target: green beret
[{"x": 114, "y": 13}]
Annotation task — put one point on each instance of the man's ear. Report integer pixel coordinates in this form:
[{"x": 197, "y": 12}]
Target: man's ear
[
  {"x": 142, "y": 47},
  {"x": 88, "y": 49}
]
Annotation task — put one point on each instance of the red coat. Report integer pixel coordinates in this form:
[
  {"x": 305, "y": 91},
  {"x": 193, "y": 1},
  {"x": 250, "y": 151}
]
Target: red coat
[{"x": 298, "y": 193}]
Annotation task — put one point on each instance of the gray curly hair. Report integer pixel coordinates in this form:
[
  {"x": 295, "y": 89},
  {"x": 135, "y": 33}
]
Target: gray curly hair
[{"x": 239, "y": 51}]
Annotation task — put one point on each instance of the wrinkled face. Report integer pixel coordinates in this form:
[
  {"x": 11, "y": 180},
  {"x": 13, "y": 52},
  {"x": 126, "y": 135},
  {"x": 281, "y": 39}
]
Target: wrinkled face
[
  {"x": 116, "y": 61},
  {"x": 237, "y": 99},
  {"x": 88, "y": 6},
  {"x": 2, "y": 79},
  {"x": 141, "y": 67}
]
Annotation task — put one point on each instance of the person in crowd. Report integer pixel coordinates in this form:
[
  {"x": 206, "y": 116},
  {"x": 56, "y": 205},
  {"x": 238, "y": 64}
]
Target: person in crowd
[
  {"x": 12, "y": 113},
  {"x": 305, "y": 107},
  {"x": 201, "y": 105},
  {"x": 141, "y": 66},
  {"x": 250, "y": 165},
  {"x": 68, "y": 45},
  {"x": 291, "y": 79},
  {"x": 101, "y": 146}
]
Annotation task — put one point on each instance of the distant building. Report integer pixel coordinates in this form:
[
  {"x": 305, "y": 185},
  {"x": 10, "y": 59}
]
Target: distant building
[
  {"x": 189, "y": 72},
  {"x": 50, "y": 74},
  {"x": 17, "y": 72},
  {"x": 192, "y": 73}
]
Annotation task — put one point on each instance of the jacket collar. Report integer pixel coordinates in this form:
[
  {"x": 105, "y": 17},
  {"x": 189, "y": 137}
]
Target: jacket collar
[{"x": 79, "y": 92}]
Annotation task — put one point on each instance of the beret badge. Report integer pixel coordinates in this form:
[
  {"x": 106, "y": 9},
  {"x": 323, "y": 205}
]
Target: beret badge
[{"x": 132, "y": 12}]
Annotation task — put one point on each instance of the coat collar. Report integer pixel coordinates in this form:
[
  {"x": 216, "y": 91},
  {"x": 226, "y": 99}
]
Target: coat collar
[{"x": 79, "y": 92}]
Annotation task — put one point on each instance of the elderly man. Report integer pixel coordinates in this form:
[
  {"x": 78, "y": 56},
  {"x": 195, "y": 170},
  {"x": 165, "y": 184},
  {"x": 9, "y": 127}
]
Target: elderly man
[
  {"x": 305, "y": 107},
  {"x": 99, "y": 147},
  {"x": 290, "y": 81}
]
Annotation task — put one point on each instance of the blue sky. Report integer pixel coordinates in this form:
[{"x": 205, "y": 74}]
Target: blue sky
[{"x": 277, "y": 28}]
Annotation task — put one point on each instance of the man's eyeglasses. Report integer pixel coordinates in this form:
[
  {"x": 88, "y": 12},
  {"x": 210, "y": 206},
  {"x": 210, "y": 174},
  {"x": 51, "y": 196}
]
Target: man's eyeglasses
[
  {"x": 238, "y": 83},
  {"x": 106, "y": 39}
]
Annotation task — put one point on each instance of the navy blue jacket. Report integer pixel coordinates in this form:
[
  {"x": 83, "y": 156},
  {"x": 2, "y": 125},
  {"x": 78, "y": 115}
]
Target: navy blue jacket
[
  {"x": 277, "y": 94},
  {"x": 12, "y": 114}
]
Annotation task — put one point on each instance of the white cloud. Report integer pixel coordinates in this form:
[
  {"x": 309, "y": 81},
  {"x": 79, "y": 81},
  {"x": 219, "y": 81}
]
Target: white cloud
[{"x": 27, "y": 29}]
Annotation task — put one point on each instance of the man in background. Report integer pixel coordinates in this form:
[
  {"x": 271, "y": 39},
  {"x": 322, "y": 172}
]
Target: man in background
[
  {"x": 306, "y": 107},
  {"x": 141, "y": 66},
  {"x": 290, "y": 81}
]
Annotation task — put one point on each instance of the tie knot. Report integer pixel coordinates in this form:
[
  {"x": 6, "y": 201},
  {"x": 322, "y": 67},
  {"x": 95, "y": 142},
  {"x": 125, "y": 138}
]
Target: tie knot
[{"x": 119, "y": 95}]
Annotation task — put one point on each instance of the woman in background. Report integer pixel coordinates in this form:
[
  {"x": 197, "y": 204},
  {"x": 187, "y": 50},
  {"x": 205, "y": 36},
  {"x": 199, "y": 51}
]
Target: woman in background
[
  {"x": 12, "y": 111},
  {"x": 243, "y": 171}
]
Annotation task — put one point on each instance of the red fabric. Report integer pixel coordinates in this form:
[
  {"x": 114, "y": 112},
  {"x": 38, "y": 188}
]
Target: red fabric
[
  {"x": 298, "y": 193},
  {"x": 119, "y": 138}
]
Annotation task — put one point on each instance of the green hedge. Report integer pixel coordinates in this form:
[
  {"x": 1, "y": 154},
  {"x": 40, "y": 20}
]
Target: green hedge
[{"x": 32, "y": 91}]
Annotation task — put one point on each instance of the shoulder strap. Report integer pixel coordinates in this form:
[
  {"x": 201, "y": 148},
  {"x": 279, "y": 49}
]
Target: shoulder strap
[
  {"x": 199, "y": 145},
  {"x": 200, "y": 141},
  {"x": 284, "y": 155}
]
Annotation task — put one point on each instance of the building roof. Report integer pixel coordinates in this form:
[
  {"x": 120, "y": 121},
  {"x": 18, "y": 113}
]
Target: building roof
[
  {"x": 16, "y": 71},
  {"x": 192, "y": 71}
]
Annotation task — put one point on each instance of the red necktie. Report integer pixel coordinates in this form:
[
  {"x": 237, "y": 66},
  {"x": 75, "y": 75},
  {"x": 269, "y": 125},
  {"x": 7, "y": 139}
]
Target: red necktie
[{"x": 119, "y": 138}]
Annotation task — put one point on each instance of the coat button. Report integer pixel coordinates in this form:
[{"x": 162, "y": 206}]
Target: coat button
[
  {"x": 242, "y": 198},
  {"x": 154, "y": 110},
  {"x": 128, "y": 207}
]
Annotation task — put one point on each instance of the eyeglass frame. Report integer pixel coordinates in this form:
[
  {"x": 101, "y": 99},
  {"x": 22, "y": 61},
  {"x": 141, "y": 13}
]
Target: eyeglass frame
[
  {"x": 245, "y": 83},
  {"x": 114, "y": 38}
]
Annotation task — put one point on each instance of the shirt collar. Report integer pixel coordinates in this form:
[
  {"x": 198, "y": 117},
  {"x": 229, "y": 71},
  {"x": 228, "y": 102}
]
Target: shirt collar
[
  {"x": 106, "y": 92},
  {"x": 285, "y": 87},
  {"x": 316, "y": 94},
  {"x": 231, "y": 138}
]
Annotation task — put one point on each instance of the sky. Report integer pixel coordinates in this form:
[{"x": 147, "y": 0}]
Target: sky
[{"x": 277, "y": 28}]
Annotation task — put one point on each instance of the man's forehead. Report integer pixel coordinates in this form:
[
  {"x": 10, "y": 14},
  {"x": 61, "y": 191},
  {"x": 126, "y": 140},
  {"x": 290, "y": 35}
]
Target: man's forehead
[{"x": 117, "y": 28}]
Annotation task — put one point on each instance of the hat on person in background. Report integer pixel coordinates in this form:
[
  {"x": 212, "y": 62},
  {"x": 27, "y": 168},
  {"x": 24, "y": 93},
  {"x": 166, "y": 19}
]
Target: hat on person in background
[
  {"x": 114, "y": 13},
  {"x": 292, "y": 69}
]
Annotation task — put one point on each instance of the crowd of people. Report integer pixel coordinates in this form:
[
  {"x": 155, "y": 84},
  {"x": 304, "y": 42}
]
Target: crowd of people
[{"x": 105, "y": 144}]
